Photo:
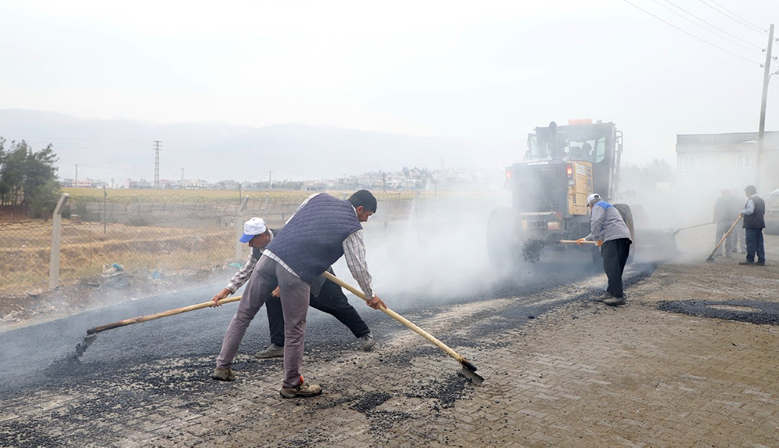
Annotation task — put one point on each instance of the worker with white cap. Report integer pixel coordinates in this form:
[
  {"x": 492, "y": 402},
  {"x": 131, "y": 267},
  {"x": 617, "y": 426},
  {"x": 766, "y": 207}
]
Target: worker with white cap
[
  {"x": 609, "y": 231},
  {"x": 258, "y": 236}
]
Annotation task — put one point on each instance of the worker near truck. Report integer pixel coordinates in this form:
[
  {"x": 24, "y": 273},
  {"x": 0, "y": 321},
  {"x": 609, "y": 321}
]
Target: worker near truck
[
  {"x": 325, "y": 296},
  {"x": 322, "y": 230},
  {"x": 754, "y": 223},
  {"x": 609, "y": 231}
]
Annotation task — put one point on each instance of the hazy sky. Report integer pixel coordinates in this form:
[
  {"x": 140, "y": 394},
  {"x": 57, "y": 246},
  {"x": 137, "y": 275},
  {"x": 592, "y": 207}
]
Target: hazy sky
[{"x": 482, "y": 72}]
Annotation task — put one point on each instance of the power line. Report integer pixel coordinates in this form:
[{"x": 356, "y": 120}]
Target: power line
[
  {"x": 708, "y": 23},
  {"x": 742, "y": 22},
  {"x": 757, "y": 27},
  {"x": 690, "y": 34}
]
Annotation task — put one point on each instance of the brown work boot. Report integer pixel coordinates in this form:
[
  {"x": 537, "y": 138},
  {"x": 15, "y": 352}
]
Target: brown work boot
[
  {"x": 614, "y": 301},
  {"x": 302, "y": 390},
  {"x": 271, "y": 351},
  {"x": 603, "y": 297},
  {"x": 223, "y": 374}
]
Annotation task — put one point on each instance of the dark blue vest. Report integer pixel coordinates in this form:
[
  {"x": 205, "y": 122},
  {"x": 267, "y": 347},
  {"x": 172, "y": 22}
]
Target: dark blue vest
[
  {"x": 757, "y": 219},
  {"x": 313, "y": 239}
]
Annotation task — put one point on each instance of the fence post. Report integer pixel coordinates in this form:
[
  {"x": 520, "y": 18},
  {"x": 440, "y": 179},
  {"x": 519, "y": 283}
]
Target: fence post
[
  {"x": 56, "y": 231},
  {"x": 239, "y": 228}
]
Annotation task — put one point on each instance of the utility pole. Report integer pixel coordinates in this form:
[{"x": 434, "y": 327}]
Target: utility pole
[
  {"x": 270, "y": 180},
  {"x": 181, "y": 187},
  {"x": 157, "y": 163},
  {"x": 75, "y": 181},
  {"x": 761, "y": 131}
]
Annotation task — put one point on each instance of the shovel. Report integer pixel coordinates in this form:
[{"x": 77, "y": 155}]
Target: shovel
[
  {"x": 92, "y": 332},
  {"x": 711, "y": 256},
  {"x": 468, "y": 370},
  {"x": 73, "y": 359},
  {"x": 692, "y": 227}
]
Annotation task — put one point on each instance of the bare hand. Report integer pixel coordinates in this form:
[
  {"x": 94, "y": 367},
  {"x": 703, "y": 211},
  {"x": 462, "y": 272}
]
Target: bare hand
[
  {"x": 599, "y": 243},
  {"x": 276, "y": 292},
  {"x": 376, "y": 303},
  {"x": 580, "y": 241},
  {"x": 219, "y": 296}
]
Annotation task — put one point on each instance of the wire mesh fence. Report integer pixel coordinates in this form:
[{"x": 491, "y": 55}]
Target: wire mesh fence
[{"x": 155, "y": 235}]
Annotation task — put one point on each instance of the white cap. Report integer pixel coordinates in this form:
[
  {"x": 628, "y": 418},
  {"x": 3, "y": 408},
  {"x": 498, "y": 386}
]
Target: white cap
[
  {"x": 254, "y": 226},
  {"x": 595, "y": 197}
]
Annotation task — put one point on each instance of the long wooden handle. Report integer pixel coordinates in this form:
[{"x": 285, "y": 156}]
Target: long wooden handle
[
  {"x": 137, "y": 320},
  {"x": 404, "y": 321},
  {"x": 576, "y": 242},
  {"x": 725, "y": 236},
  {"x": 698, "y": 225}
]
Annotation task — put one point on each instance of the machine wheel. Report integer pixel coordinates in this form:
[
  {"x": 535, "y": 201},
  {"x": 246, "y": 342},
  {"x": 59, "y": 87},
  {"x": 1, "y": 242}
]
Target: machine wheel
[
  {"x": 627, "y": 216},
  {"x": 502, "y": 237}
]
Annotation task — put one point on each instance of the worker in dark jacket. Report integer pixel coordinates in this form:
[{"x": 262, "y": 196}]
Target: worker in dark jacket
[
  {"x": 611, "y": 233},
  {"x": 322, "y": 230},
  {"x": 726, "y": 211},
  {"x": 754, "y": 223}
]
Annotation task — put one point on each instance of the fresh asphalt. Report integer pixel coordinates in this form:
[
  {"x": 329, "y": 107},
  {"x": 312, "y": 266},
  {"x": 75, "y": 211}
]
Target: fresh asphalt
[{"x": 29, "y": 353}]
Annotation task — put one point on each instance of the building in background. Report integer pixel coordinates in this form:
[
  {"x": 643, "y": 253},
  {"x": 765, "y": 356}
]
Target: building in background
[{"x": 727, "y": 160}]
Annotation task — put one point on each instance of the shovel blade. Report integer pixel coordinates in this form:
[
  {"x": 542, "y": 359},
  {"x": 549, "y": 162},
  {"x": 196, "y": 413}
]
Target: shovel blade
[{"x": 473, "y": 377}]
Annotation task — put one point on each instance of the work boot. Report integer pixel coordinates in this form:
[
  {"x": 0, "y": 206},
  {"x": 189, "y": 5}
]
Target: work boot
[
  {"x": 367, "y": 342},
  {"x": 302, "y": 390},
  {"x": 615, "y": 301},
  {"x": 271, "y": 351},
  {"x": 760, "y": 263},
  {"x": 746, "y": 263},
  {"x": 223, "y": 374},
  {"x": 603, "y": 297}
]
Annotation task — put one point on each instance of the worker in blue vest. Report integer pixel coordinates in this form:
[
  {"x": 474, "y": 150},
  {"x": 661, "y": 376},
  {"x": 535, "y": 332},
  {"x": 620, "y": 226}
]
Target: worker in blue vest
[
  {"x": 322, "y": 230},
  {"x": 754, "y": 223}
]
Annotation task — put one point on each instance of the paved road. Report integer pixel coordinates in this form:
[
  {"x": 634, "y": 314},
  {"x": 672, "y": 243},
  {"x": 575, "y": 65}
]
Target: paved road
[
  {"x": 29, "y": 351},
  {"x": 171, "y": 357}
]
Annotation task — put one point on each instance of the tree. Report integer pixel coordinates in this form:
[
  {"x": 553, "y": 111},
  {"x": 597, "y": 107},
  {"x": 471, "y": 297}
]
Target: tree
[
  {"x": 28, "y": 178},
  {"x": 647, "y": 175}
]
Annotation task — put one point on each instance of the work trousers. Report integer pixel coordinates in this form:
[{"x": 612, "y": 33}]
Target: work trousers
[
  {"x": 730, "y": 241},
  {"x": 295, "y": 292},
  {"x": 755, "y": 245},
  {"x": 331, "y": 300},
  {"x": 615, "y": 256},
  {"x": 742, "y": 238}
]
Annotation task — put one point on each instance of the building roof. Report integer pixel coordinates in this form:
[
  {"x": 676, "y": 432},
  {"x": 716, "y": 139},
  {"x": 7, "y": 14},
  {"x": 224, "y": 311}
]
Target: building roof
[{"x": 726, "y": 142}]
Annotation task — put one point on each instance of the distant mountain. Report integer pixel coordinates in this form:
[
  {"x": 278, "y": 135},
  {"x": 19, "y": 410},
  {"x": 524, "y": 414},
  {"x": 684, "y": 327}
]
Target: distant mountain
[{"x": 120, "y": 149}]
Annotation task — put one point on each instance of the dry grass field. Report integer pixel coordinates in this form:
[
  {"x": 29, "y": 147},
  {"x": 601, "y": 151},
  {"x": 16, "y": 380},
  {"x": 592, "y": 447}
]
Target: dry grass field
[
  {"x": 25, "y": 251},
  {"x": 147, "y": 230}
]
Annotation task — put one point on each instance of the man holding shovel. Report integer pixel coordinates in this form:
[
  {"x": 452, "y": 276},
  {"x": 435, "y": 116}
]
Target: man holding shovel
[
  {"x": 754, "y": 223},
  {"x": 326, "y": 296},
  {"x": 322, "y": 230},
  {"x": 609, "y": 231}
]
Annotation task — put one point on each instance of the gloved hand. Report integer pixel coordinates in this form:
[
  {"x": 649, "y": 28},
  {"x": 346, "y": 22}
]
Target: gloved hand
[
  {"x": 599, "y": 243},
  {"x": 580, "y": 241}
]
